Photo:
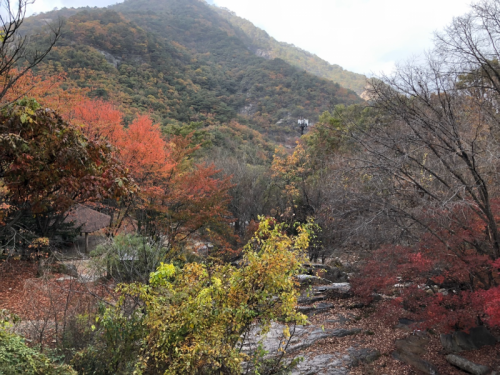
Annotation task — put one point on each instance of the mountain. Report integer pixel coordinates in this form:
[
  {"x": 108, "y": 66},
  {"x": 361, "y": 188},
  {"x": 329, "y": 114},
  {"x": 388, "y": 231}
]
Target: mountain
[
  {"x": 258, "y": 41},
  {"x": 184, "y": 63}
]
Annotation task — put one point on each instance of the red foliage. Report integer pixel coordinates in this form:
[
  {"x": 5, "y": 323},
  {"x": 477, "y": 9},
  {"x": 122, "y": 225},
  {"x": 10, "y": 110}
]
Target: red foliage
[
  {"x": 98, "y": 119},
  {"x": 146, "y": 154},
  {"x": 46, "y": 88},
  {"x": 491, "y": 303},
  {"x": 445, "y": 281},
  {"x": 175, "y": 197}
]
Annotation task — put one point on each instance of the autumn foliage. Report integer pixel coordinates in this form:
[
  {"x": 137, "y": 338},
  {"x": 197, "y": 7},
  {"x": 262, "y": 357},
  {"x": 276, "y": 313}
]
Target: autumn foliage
[
  {"x": 445, "y": 281},
  {"x": 198, "y": 315},
  {"x": 176, "y": 197},
  {"x": 48, "y": 166},
  {"x": 171, "y": 195}
]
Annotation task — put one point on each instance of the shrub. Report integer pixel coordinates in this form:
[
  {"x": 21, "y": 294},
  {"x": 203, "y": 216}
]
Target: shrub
[
  {"x": 444, "y": 287},
  {"x": 116, "y": 343},
  {"x": 197, "y": 316},
  {"x": 17, "y": 358},
  {"x": 129, "y": 257}
]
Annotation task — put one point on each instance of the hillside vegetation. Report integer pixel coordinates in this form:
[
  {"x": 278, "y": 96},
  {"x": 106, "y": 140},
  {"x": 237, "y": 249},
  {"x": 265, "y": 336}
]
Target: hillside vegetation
[
  {"x": 151, "y": 136},
  {"x": 262, "y": 44},
  {"x": 184, "y": 63}
]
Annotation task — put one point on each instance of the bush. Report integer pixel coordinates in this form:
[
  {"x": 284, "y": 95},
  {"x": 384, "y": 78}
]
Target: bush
[
  {"x": 17, "y": 358},
  {"x": 454, "y": 288},
  {"x": 129, "y": 257},
  {"x": 192, "y": 319},
  {"x": 116, "y": 344},
  {"x": 196, "y": 316}
]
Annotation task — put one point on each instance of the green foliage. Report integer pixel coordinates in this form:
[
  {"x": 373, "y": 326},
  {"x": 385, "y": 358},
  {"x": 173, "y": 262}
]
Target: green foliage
[
  {"x": 196, "y": 316},
  {"x": 116, "y": 343},
  {"x": 129, "y": 257},
  {"x": 333, "y": 134},
  {"x": 183, "y": 62},
  {"x": 259, "y": 40},
  {"x": 17, "y": 358},
  {"x": 199, "y": 136}
]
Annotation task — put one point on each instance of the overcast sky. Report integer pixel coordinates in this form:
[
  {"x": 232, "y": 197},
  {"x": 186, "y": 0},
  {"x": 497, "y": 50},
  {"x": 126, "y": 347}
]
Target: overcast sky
[{"x": 364, "y": 36}]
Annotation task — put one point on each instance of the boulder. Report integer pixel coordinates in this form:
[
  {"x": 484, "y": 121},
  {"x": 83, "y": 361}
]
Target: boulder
[
  {"x": 306, "y": 280},
  {"x": 341, "y": 290},
  {"x": 338, "y": 287},
  {"x": 414, "y": 344},
  {"x": 302, "y": 337},
  {"x": 315, "y": 309},
  {"x": 317, "y": 364},
  {"x": 332, "y": 274},
  {"x": 467, "y": 365},
  {"x": 335, "y": 363},
  {"x": 416, "y": 362},
  {"x": 363, "y": 355},
  {"x": 410, "y": 350},
  {"x": 335, "y": 275},
  {"x": 459, "y": 341}
]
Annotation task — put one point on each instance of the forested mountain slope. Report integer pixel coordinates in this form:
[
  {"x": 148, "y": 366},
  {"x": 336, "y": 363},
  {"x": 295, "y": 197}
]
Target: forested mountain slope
[
  {"x": 262, "y": 44},
  {"x": 214, "y": 40},
  {"x": 181, "y": 61}
]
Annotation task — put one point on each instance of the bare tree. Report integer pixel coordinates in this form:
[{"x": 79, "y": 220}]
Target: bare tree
[
  {"x": 18, "y": 53},
  {"x": 437, "y": 147},
  {"x": 249, "y": 196}
]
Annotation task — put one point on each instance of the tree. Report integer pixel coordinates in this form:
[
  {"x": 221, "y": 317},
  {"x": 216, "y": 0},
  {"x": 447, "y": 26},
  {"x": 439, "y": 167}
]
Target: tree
[
  {"x": 177, "y": 198},
  {"x": 47, "y": 166},
  {"x": 431, "y": 158},
  {"x": 98, "y": 119},
  {"x": 18, "y": 50},
  {"x": 315, "y": 181},
  {"x": 469, "y": 46},
  {"x": 250, "y": 184},
  {"x": 437, "y": 149}
]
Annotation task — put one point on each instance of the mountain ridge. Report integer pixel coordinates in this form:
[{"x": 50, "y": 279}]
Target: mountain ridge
[
  {"x": 182, "y": 62},
  {"x": 264, "y": 44}
]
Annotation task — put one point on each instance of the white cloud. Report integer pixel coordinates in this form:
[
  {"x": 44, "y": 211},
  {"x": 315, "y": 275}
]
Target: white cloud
[{"x": 360, "y": 35}]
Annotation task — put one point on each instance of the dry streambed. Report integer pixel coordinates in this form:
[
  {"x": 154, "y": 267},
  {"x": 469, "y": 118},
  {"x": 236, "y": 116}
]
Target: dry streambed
[{"x": 347, "y": 337}]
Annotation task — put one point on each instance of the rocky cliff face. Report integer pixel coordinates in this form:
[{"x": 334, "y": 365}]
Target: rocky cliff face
[{"x": 263, "y": 53}]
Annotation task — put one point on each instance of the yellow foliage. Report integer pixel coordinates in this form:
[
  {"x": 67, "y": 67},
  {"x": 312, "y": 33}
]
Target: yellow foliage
[
  {"x": 197, "y": 316},
  {"x": 292, "y": 170}
]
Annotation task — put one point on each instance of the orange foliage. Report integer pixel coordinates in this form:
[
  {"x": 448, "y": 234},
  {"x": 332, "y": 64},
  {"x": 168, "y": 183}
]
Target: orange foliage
[
  {"x": 173, "y": 190},
  {"x": 46, "y": 88},
  {"x": 99, "y": 119}
]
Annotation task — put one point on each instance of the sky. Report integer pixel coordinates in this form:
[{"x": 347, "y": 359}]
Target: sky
[{"x": 364, "y": 36}]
